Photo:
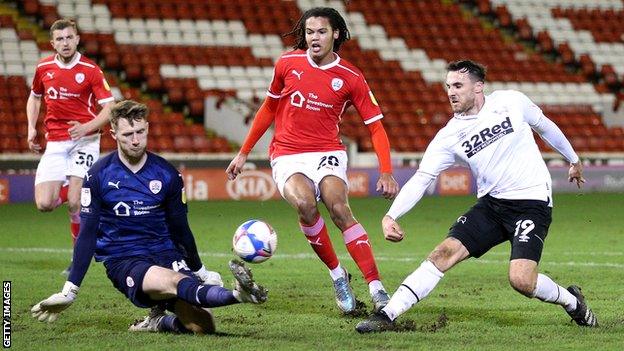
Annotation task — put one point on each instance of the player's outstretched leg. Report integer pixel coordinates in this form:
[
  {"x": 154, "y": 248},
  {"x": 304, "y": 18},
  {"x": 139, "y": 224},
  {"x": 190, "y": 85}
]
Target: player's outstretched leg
[
  {"x": 187, "y": 319},
  {"x": 571, "y": 299},
  {"x": 190, "y": 319},
  {"x": 582, "y": 315},
  {"x": 376, "y": 322},
  {"x": 380, "y": 299},
  {"x": 414, "y": 288},
  {"x": 246, "y": 290},
  {"x": 151, "y": 322}
]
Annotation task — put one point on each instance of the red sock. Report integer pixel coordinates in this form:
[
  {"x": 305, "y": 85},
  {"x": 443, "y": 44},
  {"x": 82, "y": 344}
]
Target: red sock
[
  {"x": 62, "y": 196},
  {"x": 360, "y": 250},
  {"x": 319, "y": 240},
  {"x": 63, "y": 193},
  {"x": 74, "y": 226}
]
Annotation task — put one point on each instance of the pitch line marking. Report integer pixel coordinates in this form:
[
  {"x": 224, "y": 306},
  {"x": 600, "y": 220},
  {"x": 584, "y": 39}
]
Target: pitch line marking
[{"x": 305, "y": 256}]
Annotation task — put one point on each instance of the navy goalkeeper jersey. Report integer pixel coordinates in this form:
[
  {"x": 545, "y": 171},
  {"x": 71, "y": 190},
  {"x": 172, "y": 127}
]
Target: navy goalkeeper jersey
[{"x": 132, "y": 208}]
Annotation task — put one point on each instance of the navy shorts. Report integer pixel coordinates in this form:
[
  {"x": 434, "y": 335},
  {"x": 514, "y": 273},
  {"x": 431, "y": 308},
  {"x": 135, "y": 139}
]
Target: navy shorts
[
  {"x": 127, "y": 274},
  {"x": 491, "y": 221}
]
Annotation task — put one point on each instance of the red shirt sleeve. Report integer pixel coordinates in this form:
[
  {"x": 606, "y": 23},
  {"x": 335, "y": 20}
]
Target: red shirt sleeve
[
  {"x": 277, "y": 83},
  {"x": 261, "y": 122},
  {"x": 100, "y": 87},
  {"x": 37, "y": 84},
  {"x": 381, "y": 144},
  {"x": 364, "y": 101}
]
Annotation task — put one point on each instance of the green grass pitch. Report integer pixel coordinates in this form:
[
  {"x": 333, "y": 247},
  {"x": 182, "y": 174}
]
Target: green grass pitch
[{"x": 473, "y": 307}]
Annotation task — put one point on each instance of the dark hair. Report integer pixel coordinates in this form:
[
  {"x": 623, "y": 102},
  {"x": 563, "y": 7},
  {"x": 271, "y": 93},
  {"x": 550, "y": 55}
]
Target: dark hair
[
  {"x": 62, "y": 24},
  {"x": 475, "y": 70},
  {"x": 335, "y": 21},
  {"x": 129, "y": 110}
]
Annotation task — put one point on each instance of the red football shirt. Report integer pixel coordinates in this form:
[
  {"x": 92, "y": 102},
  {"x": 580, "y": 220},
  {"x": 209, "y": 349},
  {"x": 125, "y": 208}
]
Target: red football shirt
[
  {"x": 71, "y": 91},
  {"x": 312, "y": 100}
]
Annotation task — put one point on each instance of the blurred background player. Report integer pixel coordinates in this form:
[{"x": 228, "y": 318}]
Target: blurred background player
[
  {"x": 311, "y": 88},
  {"x": 134, "y": 216},
  {"x": 493, "y": 134},
  {"x": 71, "y": 85}
]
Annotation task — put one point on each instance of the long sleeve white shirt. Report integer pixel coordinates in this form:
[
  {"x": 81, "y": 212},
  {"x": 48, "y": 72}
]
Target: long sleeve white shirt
[{"x": 497, "y": 145}]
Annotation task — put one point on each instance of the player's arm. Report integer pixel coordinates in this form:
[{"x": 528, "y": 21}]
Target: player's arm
[
  {"x": 182, "y": 236},
  {"x": 386, "y": 183},
  {"x": 365, "y": 103},
  {"x": 554, "y": 137},
  {"x": 436, "y": 159},
  {"x": 261, "y": 122},
  {"x": 177, "y": 221},
  {"x": 33, "y": 105},
  {"x": 407, "y": 198},
  {"x": 78, "y": 130}
]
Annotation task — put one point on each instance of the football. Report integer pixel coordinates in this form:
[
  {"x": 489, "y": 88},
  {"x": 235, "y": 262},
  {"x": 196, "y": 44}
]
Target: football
[{"x": 254, "y": 241}]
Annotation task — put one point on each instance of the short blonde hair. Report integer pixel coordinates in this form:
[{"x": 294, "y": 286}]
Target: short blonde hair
[
  {"x": 62, "y": 24},
  {"x": 129, "y": 110}
]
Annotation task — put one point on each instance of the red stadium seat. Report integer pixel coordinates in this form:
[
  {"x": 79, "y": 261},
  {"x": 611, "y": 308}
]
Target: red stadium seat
[
  {"x": 201, "y": 144},
  {"x": 413, "y": 108},
  {"x": 182, "y": 143}
]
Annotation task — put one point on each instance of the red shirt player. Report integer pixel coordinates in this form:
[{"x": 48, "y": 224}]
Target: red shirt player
[
  {"x": 72, "y": 85},
  {"x": 311, "y": 88}
]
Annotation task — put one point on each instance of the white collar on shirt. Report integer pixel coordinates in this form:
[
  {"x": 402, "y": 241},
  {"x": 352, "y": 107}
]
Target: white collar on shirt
[
  {"x": 69, "y": 65},
  {"x": 327, "y": 66}
]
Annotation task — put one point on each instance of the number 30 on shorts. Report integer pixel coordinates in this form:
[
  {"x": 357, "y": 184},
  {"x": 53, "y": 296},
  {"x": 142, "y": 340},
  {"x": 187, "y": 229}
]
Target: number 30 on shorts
[
  {"x": 331, "y": 161},
  {"x": 84, "y": 159}
]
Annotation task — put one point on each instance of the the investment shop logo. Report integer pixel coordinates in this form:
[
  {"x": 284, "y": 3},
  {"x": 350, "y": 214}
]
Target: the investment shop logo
[{"x": 6, "y": 314}]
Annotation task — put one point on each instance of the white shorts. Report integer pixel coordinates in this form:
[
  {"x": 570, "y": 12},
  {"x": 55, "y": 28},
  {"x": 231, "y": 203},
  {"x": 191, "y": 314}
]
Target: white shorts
[
  {"x": 62, "y": 159},
  {"x": 314, "y": 165}
]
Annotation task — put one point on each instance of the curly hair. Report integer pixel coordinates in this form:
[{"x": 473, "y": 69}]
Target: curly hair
[{"x": 335, "y": 21}]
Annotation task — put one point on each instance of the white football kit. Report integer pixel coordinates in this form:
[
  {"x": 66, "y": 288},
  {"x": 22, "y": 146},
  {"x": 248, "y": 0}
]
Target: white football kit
[{"x": 497, "y": 144}]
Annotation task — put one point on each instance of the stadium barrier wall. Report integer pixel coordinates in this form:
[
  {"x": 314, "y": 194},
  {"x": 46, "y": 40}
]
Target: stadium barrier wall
[{"x": 202, "y": 184}]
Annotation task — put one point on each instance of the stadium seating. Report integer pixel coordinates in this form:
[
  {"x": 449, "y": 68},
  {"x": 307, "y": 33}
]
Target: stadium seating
[
  {"x": 19, "y": 56},
  {"x": 192, "y": 49}
]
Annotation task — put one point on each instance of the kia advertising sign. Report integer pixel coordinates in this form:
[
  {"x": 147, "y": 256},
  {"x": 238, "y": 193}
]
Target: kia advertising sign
[
  {"x": 256, "y": 184},
  {"x": 212, "y": 184},
  {"x": 251, "y": 184}
]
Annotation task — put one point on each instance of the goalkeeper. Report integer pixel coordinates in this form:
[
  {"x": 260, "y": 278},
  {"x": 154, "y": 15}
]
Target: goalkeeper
[{"x": 134, "y": 220}]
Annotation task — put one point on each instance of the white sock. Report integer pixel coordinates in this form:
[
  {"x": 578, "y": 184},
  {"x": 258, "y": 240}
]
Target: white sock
[
  {"x": 374, "y": 286},
  {"x": 237, "y": 296},
  {"x": 548, "y": 291},
  {"x": 337, "y": 272},
  {"x": 413, "y": 289}
]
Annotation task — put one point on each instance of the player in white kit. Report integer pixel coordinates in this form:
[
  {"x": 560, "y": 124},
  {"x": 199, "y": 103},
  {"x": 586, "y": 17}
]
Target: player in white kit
[{"x": 493, "y": 135}]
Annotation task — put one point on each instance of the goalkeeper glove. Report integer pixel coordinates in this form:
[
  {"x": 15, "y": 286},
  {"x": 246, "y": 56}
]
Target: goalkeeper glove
[
  {"x": 208, "y": 277},
  {"x": 48, "y": 310}
]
